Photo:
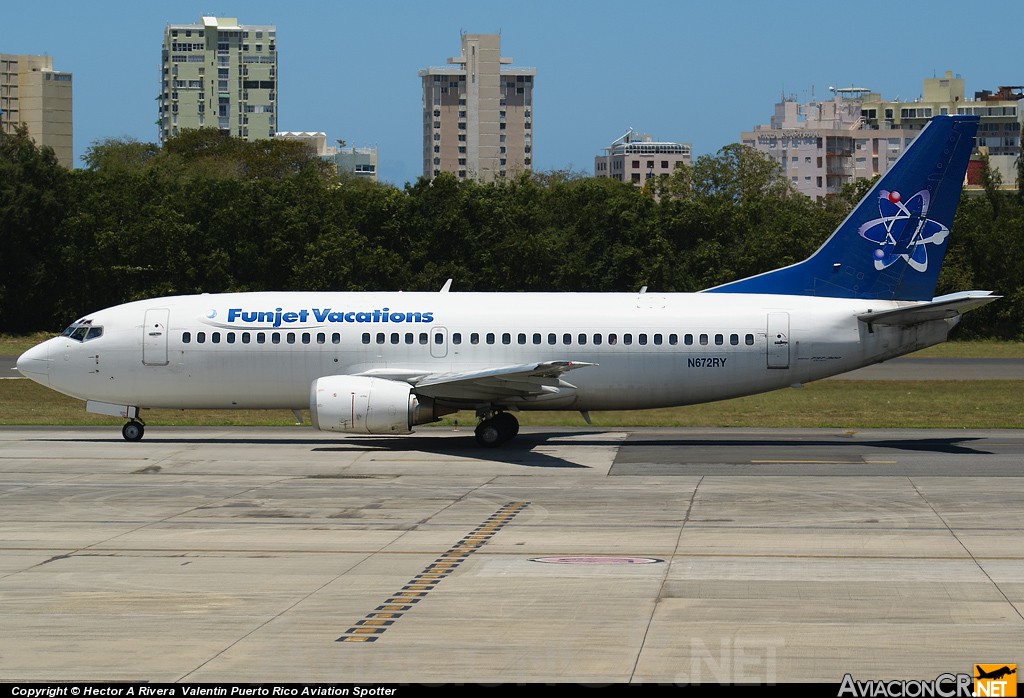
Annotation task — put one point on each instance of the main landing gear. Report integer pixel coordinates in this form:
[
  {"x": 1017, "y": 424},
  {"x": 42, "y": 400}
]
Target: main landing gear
[
  {"x": 133, "y": 430},
  {"x": 496, "y": 429}
]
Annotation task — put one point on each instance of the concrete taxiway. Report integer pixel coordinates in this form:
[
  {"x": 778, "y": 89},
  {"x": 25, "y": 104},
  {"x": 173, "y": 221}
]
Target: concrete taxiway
[{"x": 648, "y": 556}]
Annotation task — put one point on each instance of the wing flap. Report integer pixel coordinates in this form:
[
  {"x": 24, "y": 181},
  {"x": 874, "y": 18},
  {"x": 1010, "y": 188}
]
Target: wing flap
[{"x": 515, "y": 383}]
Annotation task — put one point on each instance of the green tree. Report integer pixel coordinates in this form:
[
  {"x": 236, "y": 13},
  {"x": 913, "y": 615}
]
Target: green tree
[{"x": 33, "y": 204}]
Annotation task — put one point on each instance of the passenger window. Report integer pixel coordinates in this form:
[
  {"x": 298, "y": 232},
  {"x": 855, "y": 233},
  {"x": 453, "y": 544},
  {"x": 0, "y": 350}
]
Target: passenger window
[
  {"x": 439, "y": 338},
  {"x": 291, "y": 338},
  {"x": 457, "y": 338},
  {"x": 552, "y": 338},
  {"x": 490, "y": 338},
  {"x": 231, "y": 337},
  {"x": 582, "y": 338},
  {"x": 703, "y": 340},
  {"x": 186, "y": 337},
  {"x": 366, "y": 337},
  {"x": 474, "y": 338},
  {"x": 381, "y": 337},
  {"x": 321, "y": 338},
  {"x": 749, "y": 339},
  {"x": 657, "y": 339},
  {"x": 567, "y": 339},
  {"x": 275, "y": 337},
  {"x": 423, "y": 338},
  {"x": 688, "y": 339},
  {"x": 305, "y": 337},
  {"x": 536, "y": 337},
  {"x": 261, "y": 338},
  {"x": 613, "y": 339},
  {"x": 336, "y": 338},
  {"x": 627, "y": 339},
  {"x": 506, "y": 338},
  {"x": 395, "y": 338},
  {"x": 215, "y": 337},
  {"x": 597, "y": 339},
  {"x": 521, "y": 338},
  {"x": 246, "y": 338},
  {"x": 642, "y": 339},
  {"x": 719, "y": 340},
  {"x": 673, "y": 339},
  {"x": 734, "y": 339},
  {"x": 200, "y": 337},
  {"x": 408, "y": 338}
]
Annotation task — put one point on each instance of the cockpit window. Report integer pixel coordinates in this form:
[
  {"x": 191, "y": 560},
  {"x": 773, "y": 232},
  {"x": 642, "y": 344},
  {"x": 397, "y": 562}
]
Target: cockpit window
[{"x": 82, "y": 331}]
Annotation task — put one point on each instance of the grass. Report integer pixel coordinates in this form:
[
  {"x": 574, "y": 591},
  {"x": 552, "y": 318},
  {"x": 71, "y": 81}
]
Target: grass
[
  {"x": 14, "y": 345},
  {"x": 834, "y": 404},
  {"x": 976, "y": 349}
]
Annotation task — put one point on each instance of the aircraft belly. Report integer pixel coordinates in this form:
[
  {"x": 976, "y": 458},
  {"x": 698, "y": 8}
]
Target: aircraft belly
[{"x": 640, "y": 382}]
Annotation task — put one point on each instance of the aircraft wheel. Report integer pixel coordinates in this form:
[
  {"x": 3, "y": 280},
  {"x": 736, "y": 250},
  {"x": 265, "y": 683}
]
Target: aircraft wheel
[
  {"x": 133, "y": 431},
  {"x": 507, "y": 424},
  {"x": 488, "y": 434}
]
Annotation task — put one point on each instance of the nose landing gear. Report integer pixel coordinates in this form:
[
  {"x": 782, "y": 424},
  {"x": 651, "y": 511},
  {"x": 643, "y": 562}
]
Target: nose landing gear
[{"x": 495, "y": 430}]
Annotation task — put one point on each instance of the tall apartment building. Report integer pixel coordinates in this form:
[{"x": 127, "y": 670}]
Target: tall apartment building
[
  {"x": 34, "y": 94},
  {"x": 822, "y": 145},
  {"x": 478, "y": 113},
  {"x": 636, "y": 158},
  {"x": 219, "y": 74},
  {"x": 999, "y": 133}
]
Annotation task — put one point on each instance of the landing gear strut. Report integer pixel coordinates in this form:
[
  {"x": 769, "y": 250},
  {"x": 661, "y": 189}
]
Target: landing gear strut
[
  {"x": 133, "y": 430},
  {"x": 495, "y": 430}
]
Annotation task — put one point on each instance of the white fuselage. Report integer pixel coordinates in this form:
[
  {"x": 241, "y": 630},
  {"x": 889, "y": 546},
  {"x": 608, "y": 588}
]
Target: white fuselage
[{"x": 263, "y": 350}]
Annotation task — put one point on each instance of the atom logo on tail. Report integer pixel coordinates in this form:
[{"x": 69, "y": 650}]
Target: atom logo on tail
[{"x": 903, "y": 230}]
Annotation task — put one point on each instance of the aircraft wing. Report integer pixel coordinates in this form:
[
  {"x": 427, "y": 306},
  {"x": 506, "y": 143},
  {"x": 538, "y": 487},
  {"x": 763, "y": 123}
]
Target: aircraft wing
[
  {"x": 939, "y": 308},
  {"x": 516, "y": 383}
]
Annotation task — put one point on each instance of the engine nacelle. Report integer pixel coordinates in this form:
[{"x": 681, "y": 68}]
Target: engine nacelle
[{"x": 366, "y": 405}]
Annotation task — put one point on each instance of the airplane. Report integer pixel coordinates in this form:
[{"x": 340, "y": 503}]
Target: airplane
[
  {"x": 995, "y": 674},
  {"x": 383, "y": 363}
]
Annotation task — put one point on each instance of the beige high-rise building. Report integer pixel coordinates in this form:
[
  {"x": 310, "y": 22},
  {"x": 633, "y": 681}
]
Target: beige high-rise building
[
  {"x": 219, "y": 74},
  {"x": 478, "y": 113},
  {"x": 34, "y": 94},
  {"x": 825, "y": 144},
  {"x": 636, "y": 158}
]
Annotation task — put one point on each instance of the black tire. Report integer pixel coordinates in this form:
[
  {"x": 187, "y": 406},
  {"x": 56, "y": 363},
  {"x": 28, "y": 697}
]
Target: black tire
[
  {"x": 133, "y": 431},
  {"x": 488, "y": 434},
  {"x": 507, "y": 424}
]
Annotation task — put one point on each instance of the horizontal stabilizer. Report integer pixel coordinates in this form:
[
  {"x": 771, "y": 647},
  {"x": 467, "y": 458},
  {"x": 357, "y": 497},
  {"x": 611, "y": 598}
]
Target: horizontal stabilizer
[{"x": 941, "y": 308}]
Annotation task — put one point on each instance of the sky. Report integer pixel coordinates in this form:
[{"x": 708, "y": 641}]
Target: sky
[{"x": 691, "y": 72}]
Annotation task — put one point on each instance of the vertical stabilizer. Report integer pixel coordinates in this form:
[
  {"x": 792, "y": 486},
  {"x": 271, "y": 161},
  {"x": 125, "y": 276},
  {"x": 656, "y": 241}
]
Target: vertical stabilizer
[{"x": 892, "y": 245}]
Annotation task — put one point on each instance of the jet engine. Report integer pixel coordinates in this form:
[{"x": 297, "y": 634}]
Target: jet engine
[{"x": 366, "y": 405}]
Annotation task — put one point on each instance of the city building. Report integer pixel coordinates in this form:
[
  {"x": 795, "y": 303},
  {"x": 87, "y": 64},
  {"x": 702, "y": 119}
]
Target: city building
[
  {"x": 998, "y": 133},
  {"x": 822, "y": 145},
  {"x": 219, "y": 74},
  {"x": 348, "y": 160},
  {"x": 636, "y": 158},
  {"x": 34, "y": 94},
  {"x": 478, "y": 113}
]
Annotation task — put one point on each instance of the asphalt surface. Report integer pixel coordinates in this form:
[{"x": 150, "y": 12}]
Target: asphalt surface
[{"x": 672, "y": 556}]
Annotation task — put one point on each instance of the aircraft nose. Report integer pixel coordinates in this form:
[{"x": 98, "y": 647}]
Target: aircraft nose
[{"x": 35, "y": 363}]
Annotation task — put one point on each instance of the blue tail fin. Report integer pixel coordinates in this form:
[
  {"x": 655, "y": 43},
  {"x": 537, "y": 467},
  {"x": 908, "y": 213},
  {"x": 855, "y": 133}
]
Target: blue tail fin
[{"x": 891, "y": 246}]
